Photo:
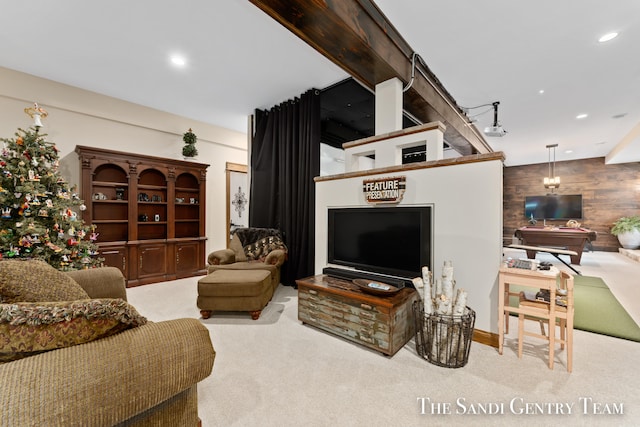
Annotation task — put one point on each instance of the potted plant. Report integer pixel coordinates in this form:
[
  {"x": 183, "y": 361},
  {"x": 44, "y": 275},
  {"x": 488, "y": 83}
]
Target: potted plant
[
  {"x": 627, "y": 229},
  {"x": 189, "y": 150}
]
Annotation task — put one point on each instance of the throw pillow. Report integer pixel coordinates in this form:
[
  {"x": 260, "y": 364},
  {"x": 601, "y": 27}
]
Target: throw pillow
[
  {"x": 236, "y": 246},
  {"x": 35, "y": 280},
  {"x": 29, "y": 328},
  {"x": 261, "y": 248}
]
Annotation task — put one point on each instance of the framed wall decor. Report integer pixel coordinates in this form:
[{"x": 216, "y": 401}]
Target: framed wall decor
[{"x": 237, "y": 197}]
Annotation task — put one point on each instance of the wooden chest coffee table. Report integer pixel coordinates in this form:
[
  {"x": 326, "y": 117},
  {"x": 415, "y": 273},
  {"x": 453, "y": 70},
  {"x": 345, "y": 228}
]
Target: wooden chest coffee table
[{"x": 382, "y": 323}]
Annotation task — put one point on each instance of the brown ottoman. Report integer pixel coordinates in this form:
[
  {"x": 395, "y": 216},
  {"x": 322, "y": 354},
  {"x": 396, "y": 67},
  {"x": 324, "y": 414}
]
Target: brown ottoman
[{"x": 234, "y": 290}]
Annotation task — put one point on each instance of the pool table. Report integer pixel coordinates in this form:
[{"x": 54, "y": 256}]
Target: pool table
[{"x": 569, "y": 238}]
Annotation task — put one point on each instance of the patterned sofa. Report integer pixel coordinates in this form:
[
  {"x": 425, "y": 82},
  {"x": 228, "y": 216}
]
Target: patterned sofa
[{"x": 126, "y": 372}]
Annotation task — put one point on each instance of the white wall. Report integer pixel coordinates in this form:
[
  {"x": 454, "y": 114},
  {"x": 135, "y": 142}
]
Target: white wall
[
  {"x": 467, "y": 200},
  {"x": 79, "y": 117}
]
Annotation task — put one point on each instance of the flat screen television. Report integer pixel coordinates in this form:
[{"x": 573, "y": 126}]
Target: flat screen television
[
  {"x": 553, "y": 206},
  {"x": 395, "y": 241}
]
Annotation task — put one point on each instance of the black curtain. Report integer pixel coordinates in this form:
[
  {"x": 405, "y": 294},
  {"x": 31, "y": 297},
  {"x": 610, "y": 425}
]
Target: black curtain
[{"x": 285, "y": 157}]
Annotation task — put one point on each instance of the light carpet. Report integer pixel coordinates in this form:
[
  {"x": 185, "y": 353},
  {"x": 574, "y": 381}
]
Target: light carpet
[{"x": 277, "y": 372}]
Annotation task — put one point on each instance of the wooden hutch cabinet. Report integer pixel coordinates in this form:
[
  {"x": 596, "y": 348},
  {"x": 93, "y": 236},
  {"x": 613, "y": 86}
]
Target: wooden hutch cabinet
[{"x": 149, "y": 213}]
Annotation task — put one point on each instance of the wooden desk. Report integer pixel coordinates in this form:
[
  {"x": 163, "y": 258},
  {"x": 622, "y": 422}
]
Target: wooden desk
[
  {"x": 538, "y": 279},
  {"x": 338, "y": 306},
  {"x": 572, "y": 239}
]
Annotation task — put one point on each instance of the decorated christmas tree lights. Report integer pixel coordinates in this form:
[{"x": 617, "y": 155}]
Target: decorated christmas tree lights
[{"x": 38, "y": 209}]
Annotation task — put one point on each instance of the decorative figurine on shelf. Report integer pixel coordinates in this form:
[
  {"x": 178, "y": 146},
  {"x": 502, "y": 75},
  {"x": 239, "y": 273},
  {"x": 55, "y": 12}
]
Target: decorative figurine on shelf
[
  {"x": 119, "y": 193},
  {"x": 189, "y": 150}
]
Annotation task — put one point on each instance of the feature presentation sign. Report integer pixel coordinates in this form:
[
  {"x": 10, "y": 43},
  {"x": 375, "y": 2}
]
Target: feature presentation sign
[{"x": 384, "y": 190}]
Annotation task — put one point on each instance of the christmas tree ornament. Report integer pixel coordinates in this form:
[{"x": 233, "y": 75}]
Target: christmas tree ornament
[{"x": 36, "y": 113}]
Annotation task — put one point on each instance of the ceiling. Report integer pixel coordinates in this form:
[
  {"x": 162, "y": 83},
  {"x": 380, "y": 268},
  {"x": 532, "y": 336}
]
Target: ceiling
[{"x": 239, "y": 59}]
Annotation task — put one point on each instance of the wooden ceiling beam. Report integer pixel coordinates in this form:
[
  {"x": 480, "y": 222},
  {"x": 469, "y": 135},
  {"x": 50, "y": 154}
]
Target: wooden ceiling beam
[{"x": 357, "y": 37}]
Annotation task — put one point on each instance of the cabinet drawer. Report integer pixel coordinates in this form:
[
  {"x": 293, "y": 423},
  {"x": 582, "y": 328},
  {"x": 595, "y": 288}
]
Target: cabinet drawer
[
  {"x": 342, "y": 307},
  {"x": 362, "y": 322},
  {"x": 358, "y": 333}
]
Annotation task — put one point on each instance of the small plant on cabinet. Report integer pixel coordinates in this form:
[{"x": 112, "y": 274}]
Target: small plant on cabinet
[{"x": 190, "y": 139}]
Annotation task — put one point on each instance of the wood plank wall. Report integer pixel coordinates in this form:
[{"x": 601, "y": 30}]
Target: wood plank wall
[{"x": 608, "y": 192}]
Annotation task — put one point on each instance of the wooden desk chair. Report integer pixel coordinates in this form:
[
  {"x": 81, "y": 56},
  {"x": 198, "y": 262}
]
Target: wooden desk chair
[{"x": 552, "y": 314}]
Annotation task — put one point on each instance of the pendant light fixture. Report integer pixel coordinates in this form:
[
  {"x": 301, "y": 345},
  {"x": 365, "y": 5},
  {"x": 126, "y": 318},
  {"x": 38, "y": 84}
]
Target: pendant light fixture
[{"x": 552, "y": 181}]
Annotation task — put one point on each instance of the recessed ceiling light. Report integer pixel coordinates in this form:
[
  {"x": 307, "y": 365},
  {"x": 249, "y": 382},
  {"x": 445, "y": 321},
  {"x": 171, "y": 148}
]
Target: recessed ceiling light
[
  {"x": 541, "y": 91},
  {"x": 619, "y": 116},
  {"x": 178, "y": 60},
  {"x": 568, "y": 151},
  {"x": 582, "y": 116},
  {"x": 607, "y": 37},
  {"x": 601, "y": 143}
]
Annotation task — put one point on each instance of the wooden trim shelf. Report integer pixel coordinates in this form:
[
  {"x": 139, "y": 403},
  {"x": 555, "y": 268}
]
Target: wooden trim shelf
[
  {"x": 474, "y": 158},
  {"x": 151, "y": 187},
  {"x": 110, "y": 184}
]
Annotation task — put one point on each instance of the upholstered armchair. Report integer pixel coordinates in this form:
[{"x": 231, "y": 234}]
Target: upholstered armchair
[
  {"x": 252, "y": 248},
  {"x": 62, "y": 366}
]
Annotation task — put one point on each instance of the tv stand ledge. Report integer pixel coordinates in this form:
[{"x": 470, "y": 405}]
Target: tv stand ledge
[{"x": 345, "y": 274}]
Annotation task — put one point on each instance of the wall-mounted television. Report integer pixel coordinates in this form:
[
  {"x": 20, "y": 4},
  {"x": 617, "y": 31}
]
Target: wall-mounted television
[
  {"x": 395, "y": 241},
  {"x": 553, "y": 206}
]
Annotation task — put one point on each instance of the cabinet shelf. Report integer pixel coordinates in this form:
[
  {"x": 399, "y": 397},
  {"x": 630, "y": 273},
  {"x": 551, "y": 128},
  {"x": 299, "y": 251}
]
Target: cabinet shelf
[
  {"x": 110, "y": 184},
  {"x": 151, "y": 187},
  {"x": 116, "y": 201}
]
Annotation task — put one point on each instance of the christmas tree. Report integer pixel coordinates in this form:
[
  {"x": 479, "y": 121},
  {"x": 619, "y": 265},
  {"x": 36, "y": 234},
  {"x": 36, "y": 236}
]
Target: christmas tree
[{"x": 38, "y": 210}]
